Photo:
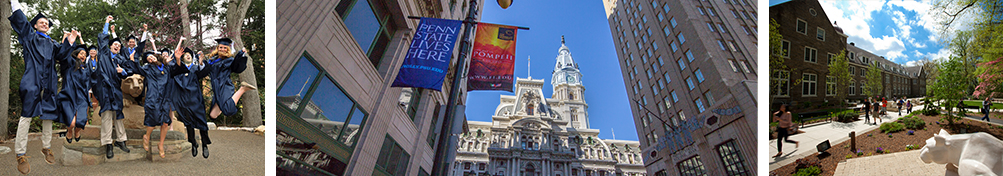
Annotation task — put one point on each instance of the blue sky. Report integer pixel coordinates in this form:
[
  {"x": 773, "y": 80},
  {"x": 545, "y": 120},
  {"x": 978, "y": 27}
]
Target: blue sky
[
  {"x": 587, "y": 35},
  {"x": 902, "y": 31}
]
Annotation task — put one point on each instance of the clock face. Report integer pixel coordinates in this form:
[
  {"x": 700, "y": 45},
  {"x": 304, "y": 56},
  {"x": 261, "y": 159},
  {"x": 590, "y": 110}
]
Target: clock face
[{"x": 571, "y": 79}]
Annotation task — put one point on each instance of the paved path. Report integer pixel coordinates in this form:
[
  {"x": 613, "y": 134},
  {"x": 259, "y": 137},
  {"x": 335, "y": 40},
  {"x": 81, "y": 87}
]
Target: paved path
[
  {"x": 899, "y": 163},
  {"x": 231, "y": 153},
  {"x": 835, "y": 132}
]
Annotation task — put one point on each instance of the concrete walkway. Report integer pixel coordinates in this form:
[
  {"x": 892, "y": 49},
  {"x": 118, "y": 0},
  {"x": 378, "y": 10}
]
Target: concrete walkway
[
  {"x": 835, "y": 132},
  {"x": 899, "y": 163},
  {"x": 231, "y": 153}
]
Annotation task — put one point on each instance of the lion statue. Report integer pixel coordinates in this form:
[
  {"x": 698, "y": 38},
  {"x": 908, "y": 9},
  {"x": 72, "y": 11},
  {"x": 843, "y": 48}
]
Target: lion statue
[{"x": 973, "y": 154}]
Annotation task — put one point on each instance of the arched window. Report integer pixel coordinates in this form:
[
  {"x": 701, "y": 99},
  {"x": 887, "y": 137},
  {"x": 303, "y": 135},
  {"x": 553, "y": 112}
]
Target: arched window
[
  {"x": 529, "y": 170},
  {"x": 571, "y": 96}
]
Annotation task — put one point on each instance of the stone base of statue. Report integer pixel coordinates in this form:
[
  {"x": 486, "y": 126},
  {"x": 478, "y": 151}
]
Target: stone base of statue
[{"x": 89, "y": 151}]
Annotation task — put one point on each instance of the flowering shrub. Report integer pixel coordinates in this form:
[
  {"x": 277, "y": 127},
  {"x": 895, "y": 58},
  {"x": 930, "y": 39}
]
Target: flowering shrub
[
  {"x": 879, "y": 150},
  {"x": 910, "y": 132}
]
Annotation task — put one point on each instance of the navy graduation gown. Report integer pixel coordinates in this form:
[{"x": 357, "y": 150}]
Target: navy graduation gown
[
  {"x": 73, "y": 97},
  {"x": 222, "y": 86},
  {"x": 156, "y": 79},
  {"x": 187, "y": 93},
  {"x": 39, "y": 83},
  {"x": 108, "y": 89}
]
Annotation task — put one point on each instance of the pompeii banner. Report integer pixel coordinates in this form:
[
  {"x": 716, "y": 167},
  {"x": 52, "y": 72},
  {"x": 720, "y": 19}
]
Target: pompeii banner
[
  {"x": 493, "y": 58},
  {"x": 428, "y": 56}
]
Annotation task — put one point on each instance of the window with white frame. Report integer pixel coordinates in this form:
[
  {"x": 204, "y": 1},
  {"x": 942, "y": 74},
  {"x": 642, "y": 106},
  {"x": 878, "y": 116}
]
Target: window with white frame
[
  {"x": 830, "y": 86},
  {"x": 820, "y": 34},
  {"x": 802, "y": 26},
  {"x": 809, "y": 84},
  {"x": 809, "y": 55},
  {"x": 783, "y": 80}
]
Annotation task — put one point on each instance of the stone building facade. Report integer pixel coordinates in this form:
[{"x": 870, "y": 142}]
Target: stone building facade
[
  {"x": 337, "y": 113},
  {"x": 532, "y": 135},
  {"x": 689, "y": 68}
]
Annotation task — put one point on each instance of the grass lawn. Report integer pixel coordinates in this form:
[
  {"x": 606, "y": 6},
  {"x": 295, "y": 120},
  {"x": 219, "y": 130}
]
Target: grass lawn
[{"x": 978, "y": 103}]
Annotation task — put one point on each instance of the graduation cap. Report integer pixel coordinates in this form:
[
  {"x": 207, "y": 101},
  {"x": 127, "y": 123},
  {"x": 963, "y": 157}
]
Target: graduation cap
[
  {"x": 80, "y": 47},
  {"x": 224, "y": 41},
  {"x": 165, "y": 50},
  {"x": 189, "y": 51},
  {"x": 92, "y": 47},
  {"x": 39, "y": 16},
  {"x": 131, "y": 37},
  {"x": 114, "y": 40},
  {"x": 148, "y": 53}
]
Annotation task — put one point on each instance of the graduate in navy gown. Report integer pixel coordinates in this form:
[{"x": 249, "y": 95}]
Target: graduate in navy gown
[
  {"x": 156, "y": 75},
  {"x": 188, "y": 102},
  {"x": 221, "y": 63},
  {"x": 108, "y": 90},
  {"x": 74, "y": 98},
  {"x": 38, "y": 85}
]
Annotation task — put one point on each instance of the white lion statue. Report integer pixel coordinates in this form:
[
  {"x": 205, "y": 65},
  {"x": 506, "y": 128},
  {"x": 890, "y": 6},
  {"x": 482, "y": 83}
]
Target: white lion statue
[{"x": 973, "y": 154}]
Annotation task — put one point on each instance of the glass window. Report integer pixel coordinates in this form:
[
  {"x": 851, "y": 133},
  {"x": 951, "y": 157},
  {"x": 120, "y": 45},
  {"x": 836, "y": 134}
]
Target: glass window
[
  {"x": 682, "y": 64},
  {"x": 667, "y": 78},
  {"x": 370, "y": 27},
  {"x": 701, "y": 11},
  {"x": 690, "y": 84},
  {"x": 802, "y": 26},
  {"x": 291, "y": 93},
  {"x": 653, "y": 44},
  {"x": 721, "y": 27},
  {"x": 682, "y": 39},
  {"x": 660, "y": 63},
  {"x": 810, "y": 83},
  {"x": 710, "y": 98},
  {"x": 409, "y": 101},
  {"x": 673, "y": 46},
  {"x": 296, "y": 156},
  {"x": 732, "y": 64},
  {"x": 699, "y": 104},
  {"x": 673, "y": 22},
  {"x": 689, "y": 55},
  {"x": 674, "y": 97},
  {"x": 692, "y": 167},
  {"x": 810, "y": 55},
  {"x": 666, "y": 31},
  {"x": 820, "y": 34},
  {"x": 661, "y": 17},
  {"x": 721, "y": 44},
  {"x": 732, "y": 158},
  {"x": 786, "y": 46},
  {"x": 699, "y": 75},
  {"x": 393, "y": 160},
  {"x": 710, "y": 26},
  {"x": 666, "y": 8}
]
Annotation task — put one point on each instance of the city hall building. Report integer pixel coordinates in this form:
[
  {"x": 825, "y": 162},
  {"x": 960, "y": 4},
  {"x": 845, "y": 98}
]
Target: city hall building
[{"x": 532, "y": 135}]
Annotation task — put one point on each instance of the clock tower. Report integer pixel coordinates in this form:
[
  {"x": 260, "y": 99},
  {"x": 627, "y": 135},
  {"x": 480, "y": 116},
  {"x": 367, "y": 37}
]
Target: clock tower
[{"x": 568, "y": 88}]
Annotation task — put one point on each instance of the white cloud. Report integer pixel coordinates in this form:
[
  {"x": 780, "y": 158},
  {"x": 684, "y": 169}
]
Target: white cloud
[
  {"x": 855, "y": 17},
  {"x": 912, "y": 63}
]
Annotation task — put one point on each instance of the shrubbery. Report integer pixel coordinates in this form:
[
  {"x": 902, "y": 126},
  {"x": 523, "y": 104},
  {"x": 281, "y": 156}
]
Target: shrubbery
[
  {"x": 891, "y": 127},
  {"x": 912, "y": 122},
  {"x": 810, "y": 171}
]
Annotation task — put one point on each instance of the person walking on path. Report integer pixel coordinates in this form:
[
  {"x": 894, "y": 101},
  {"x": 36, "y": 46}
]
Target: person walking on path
[
  {"x": 783, "y": 119},
  {"x": 985, "y": 109},
  {"x": 884, "y": 106},
  {"x": 867, "y": 111},
  {"x": 908, "y": 106},
  {"x": 899, "y": 105},
  {"x": 877, "y": 108}
]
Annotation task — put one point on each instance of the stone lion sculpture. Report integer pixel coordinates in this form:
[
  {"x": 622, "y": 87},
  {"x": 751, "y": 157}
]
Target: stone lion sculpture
[{"x": 973, "y": 154}]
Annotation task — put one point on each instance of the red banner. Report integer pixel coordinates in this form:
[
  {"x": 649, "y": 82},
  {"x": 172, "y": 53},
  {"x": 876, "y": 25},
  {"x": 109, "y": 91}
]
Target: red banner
[{"x": 493, "y": 58}]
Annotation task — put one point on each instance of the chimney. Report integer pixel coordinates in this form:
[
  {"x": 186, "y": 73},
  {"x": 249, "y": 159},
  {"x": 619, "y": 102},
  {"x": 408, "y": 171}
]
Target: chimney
[{"x": 851, "y": 44}]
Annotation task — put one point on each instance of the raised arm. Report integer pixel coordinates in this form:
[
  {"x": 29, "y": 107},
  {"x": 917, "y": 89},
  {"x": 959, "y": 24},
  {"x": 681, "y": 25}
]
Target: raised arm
[
  {"x": 18, "y": 21},
  {"x": 239, "y": 63},
  {"x": 177, "y": 49}
]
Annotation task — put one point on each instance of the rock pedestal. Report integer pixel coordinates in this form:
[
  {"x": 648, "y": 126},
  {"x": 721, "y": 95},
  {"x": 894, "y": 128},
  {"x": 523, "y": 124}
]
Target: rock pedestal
[{"x": 89, "y": 151}]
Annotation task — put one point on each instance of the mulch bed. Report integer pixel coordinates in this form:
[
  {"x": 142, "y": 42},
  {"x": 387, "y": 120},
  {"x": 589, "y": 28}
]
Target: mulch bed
[{"x": 870, "y": 141}]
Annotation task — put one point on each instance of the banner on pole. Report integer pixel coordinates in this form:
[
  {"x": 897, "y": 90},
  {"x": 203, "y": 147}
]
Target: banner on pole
[
  {"x": 493, "y": 58},
  {"x": 428, "y": 56}
]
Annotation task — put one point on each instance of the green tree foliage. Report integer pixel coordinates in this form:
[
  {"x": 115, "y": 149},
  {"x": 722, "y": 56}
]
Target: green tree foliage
[
  {"x": 840, "y": 69},
  {"x": 777, "y": 66},
  {"x": 949, "y": 85},
  {"x": 874, "y": 81}
]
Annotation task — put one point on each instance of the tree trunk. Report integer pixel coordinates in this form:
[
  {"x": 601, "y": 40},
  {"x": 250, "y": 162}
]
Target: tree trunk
[
  {"x": 185, "y": 22},
  {"x": 235, "y": 12},
  {"x": 5, "y": 39}
]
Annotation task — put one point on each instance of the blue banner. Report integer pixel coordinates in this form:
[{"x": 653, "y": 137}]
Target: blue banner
[{"x": 428, "y": 56}]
